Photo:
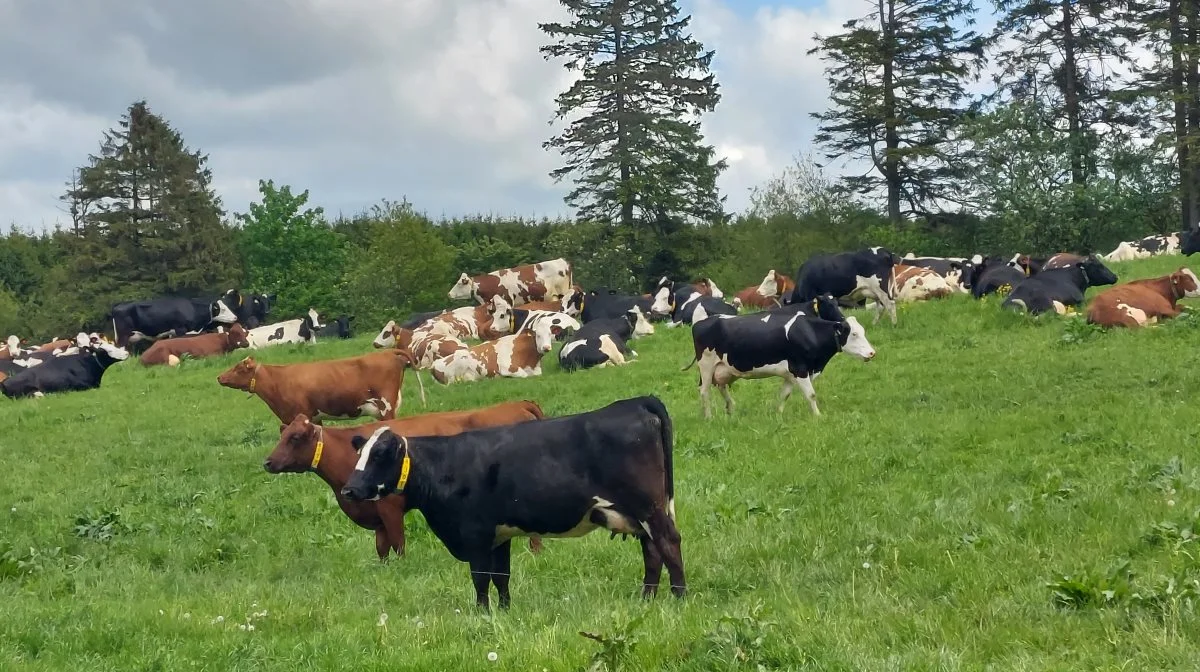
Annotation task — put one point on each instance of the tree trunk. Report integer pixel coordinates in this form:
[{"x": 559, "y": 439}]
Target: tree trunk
[
  {"x": 1192, "y": 76},
  {"x": 891, "y": 156},
  {"x": 1179, "y": 97},
  {"x": 625, "y": 191},
  {"x": 1071, "y": 94}
]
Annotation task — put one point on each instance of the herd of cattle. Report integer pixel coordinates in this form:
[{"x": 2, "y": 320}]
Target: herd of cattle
[{"x": 468, "y": 471}]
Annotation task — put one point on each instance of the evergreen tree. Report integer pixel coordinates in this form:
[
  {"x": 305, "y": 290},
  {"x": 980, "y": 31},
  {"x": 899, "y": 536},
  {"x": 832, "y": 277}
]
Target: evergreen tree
[
  {"x": 897, "y": 88},
  {"x": 149, "y": 222},
  {"x": 634, "y": 145}
]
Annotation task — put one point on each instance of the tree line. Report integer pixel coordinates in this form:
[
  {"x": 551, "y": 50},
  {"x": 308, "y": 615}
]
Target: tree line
[{"x": 1069, "y": 126}]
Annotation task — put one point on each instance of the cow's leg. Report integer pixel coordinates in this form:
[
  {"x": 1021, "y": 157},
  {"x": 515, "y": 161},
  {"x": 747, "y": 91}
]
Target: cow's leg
[
  {"x": 785, "y": 392},
  {"x": 383, "y": 544},
  {"x": 667, "y": 538},
  {"x": 707, "y": 366},
  {"x": 393, "y": 526},
  {"x": 806, "y": 387},
  {"x": 653, "y": 562},
  {"x": 481, "y": 577},
  {"x": 535, "y": 544},
  {"x": 728, "y": 398},
  {"x": 501, "y": 562}
]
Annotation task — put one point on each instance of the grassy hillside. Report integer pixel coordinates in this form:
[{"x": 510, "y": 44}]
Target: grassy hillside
[{"x": 915, "y": 525}]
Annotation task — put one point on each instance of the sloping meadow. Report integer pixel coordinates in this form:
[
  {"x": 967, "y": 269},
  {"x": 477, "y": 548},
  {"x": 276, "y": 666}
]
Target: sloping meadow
[{"x": 991, "y": 489}]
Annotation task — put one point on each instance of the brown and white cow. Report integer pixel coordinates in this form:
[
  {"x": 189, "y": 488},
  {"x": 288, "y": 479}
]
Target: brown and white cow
[
  {"x": 517, "y": 355},
  {"x": 169, "y": 350},
  {"x": 914, "y": 283},
  {"x": 340, "y": 388},
  {"x": 766, "y": 294},
  {"x": 1142, "y": 302},
  {"x": 546, "y": 281}
]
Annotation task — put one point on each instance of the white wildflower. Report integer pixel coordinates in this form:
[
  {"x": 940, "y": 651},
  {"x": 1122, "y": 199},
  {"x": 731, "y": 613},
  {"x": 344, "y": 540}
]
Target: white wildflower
[
  {"x": 250, "y": 627},
  {"x": 866, "y": 565},
  {"x": 382, "y": 620},
  {"x": 219, "y": 619},
  {"x": 241, "y": 626},
  {"x": 187, "y": 615},
  {"x": 1170, "y": 502},
  {"x": 492, "y": 657}
]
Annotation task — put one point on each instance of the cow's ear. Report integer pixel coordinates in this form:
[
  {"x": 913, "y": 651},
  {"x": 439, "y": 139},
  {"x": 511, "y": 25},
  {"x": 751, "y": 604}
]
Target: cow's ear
[
  {"x": 357, "y": 442},
  {"x": 281, "y": 428}
]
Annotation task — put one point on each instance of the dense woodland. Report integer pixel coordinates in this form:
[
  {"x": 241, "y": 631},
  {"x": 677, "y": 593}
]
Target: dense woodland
[{"x": 1085, "y": 134}]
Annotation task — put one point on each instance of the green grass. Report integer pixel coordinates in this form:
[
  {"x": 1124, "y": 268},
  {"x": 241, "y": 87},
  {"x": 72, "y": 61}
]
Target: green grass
[{"x": 915, "y": 525}]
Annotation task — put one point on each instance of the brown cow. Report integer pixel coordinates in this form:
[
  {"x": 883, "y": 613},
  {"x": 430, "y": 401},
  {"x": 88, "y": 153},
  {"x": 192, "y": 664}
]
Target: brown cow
[
  {"x": 548, "y": 280},
  {"x": 1142, "y": 302},
  {"x": 297, "y": 451},
  {"x": 338, "y": 388},
  {"x": 766, "y": 294},
  {"x": 169, "y": 350}
]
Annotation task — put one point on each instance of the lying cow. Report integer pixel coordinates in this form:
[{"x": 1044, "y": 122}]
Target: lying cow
[
  {"x": 863, "y": 274},
  {"x": 1150, "y": 246},
  {"x": 956, "y": 271},
  {"x": 304, "y": 446},
  {"x": 667, "y": 294},
  {"x": 518, "y": 355},
  {"x": 995, "y": 276},
  {"x": 916, "y": 283},
  {"x": 767, "y": 294},
  {"x": 1142, "y": 302},
  {"x": 558, "y": 477},
  {"x": 548, "y": 280},
  {"x": 340, "y": 388},
  {"x": 135, "y": 321},
  {"x": 303, "y": 330},
  {"x": 170, "y": 351},
  {"x": 82, "y": 370},
  {"x": 604, "y": 342},
  {"x": 1058, "y": 288},
  {"x": 339, "y": 328},
  {"x": 603, "y": 303},
  {"x": 794, "y": 347}
]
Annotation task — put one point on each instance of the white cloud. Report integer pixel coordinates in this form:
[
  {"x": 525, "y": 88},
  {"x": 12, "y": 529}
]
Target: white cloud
[{"x": 446, "y": 104}]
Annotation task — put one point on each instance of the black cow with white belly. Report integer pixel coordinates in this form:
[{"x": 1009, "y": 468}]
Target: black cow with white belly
[
  {"x": 603, "y": 303},
  {"x": 863, "y": 274},
  {"x": 995, "y": 275},
  {"x": 609, "y": 468},
  {"x": 604, "y": 342},
  {"x": 791, "y": 343},
  {"x": 1057, "y": 288},
  {"x": 80, "y": 371},
  {"x": 140, "y": 321}
]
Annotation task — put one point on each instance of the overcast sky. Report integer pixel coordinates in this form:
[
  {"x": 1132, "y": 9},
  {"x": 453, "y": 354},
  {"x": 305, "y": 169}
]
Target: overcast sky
[{"x": 444, "y": 102}]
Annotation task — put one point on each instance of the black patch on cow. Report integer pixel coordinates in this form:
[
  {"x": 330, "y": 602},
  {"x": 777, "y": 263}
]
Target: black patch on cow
[{"x": 276, "y": 335}]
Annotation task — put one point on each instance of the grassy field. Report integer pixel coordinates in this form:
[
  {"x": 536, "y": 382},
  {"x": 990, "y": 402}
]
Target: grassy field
[{"x": 991, "y": 492}]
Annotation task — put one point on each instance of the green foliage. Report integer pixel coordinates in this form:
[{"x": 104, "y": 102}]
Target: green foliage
[
  {"x": 486, "y": 254},
  {"x": 290, "y": 251},
  {"x": 600, "y": 255},
  {"x": 634, "y": 144}
]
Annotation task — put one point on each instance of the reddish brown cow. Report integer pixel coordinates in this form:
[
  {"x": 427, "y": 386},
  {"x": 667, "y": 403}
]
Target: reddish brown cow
[
  {"x": 338, "y": 388},
  {"x": 1142, "y": 302},
  {"x": 170, "y": 350},
  {"x": 766, "y": 294},
  {"x": 304, "y": 446}
]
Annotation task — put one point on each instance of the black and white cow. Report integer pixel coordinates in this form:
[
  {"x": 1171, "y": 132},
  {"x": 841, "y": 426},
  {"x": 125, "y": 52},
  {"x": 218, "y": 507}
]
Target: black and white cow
[
  {"x": 558, "y": 477},
  {"x": 667, "y": 294},
  {"x": 861, "y": 274},
  {"x": 251, "y": 309},
  {"x": 303, "y": 330},
  {"x": 339, "y": 328},
  {"x": 1058, "y": 288},
  {"x": 603, "y": 342},
  {"x": 995, "y": 275},
  {"x": 955, "y": 270},
  {"x": 80, "y": 371},
  {"x": 137, "y": 321},
  {"x": 795, "y": 347},
  {"x": 696, "y": 307},
  {"x": 1150, "y": 246},
  {"x": 603, "y": 303}
]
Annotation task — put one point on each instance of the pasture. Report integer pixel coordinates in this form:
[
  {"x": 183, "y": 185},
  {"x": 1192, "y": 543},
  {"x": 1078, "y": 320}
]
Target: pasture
[{"x": 992, "y": 490}]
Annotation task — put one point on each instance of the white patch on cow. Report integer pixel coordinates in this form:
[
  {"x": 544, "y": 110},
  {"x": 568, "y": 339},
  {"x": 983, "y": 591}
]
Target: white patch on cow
[
  {"x": 1192, "y": 293},
  {"x": 716, "y": 291},
  {"x": 875, "y": 250},
  {"x": 662, "y": 301},
  {"x": 570, "y": 347},
  {"x": 82, "y": 340},
  {"x": 224, "y": 314},
  {"x": 511, "y": 284},
  {"x": 38, "y": 394},
  {"x": 610, "y": 350},
  {"x": 259, "y": 337},
  {"x": 1137, "y": 314},
  {"x": 910, "y": 255},
  {"x": 13, "y": 343},
  {"x": 613, "y": 520},
  {"x": 463, "y": 289},
  {"x": 769, "y": 287},
  {"x": 375, "y": 407},
  {"x": 788, "y": 326},
  {"x": 365, "y": 454},
  {"x": 172, "y": 360},
  {"x": 699, "y": 314},
  {"x": 810, "y": 394},
  {"x": 316, "y": 320},
  {"x": 857, "y": 343},
  {"x": 671, "y": 508},
  {"x": 871, "y": 286},
  {"x": 1021, "y": 303},
  {"x": 385, "y": 339},
  {"x": 1059, "y": 307},
  {"x": 27, "y": 363},
  {"x": 641, "y": 324}
]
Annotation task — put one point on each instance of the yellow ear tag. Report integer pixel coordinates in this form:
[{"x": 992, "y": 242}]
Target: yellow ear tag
[
  {"x": 404, "y": 466},
  {"x": 241, "y": 299},
  {"x": 512, "y": 322},
  {"x": 252, "y": 384},
  {"x": 317, "y": 454}
]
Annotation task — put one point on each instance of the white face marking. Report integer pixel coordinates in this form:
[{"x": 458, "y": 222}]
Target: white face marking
[
  {"x": 14, "y": 344},
  {"x": 119, "y": 354},
  {"x": 315, "y": 318},
  {"x": 769, "y": 287},
  {"x": 716, "y": 291},
  {"x": 1191, "y": 293},
  {"x": 365, "y": 453},
  {"x": 502, "y": 315},
  {"x": 856, "y": 343},
  {"x": 463, "y": 288},
  {"x": 543, "y": 335},
  {"x": 385, "y": 339},
  {"x": 662, "y": 304},
  {"x": 224, "y": 314},
  {"x": 82, "y": 339},
  {"x": 641, "y": 326}
]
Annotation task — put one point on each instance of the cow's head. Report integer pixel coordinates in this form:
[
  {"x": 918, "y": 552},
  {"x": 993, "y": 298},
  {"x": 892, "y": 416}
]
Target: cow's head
[
  {"x": 380, "y": 458},
  {"x": 108, "y": 354},
  {"x": 1186, "y": 285},
  {"x": 663, "y": 300},
  {"x": 463, "y": 289},
  {"x": 827, "y": 308},
  {"x": 236, "y": 337},
  {"x": 386, "y": 339},
  {"x": 638, "y": 322},
  {"x": 13, "y": 343},
  {"x": 314, "y": 319},
  {"x": 297, "y": 447},
  {"x": 1189, "y": 241},
  {"x": 769, "y": 287},
  {"x": 708, "y": 287},
  {"x": 221, "y": 311},
  {"x": 501, "y": 312},
  {"x": 546, "y": 327},
  {"x": 240, "y": 375},
  {"x": 343, "y": 326},
  {"x": 1097, "y": 273},
  {"x": 572, "y": 303},
  {"x": 852, "y": 338}
]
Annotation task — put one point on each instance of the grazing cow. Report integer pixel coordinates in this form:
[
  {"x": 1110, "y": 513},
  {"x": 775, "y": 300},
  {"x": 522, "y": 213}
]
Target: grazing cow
[
  {"x": 795, "y": 347},
  {"x": 862, "y": 274},
  {"x": 303, "y": 330},
  {"x": 339, "y": 328},
  {"x": 135, "y": 321},
  {"x": 548, "y": 280},
  {"x": 668, "y": 294},
  {"x": 340, "y": 388},
  {"x": 603, "y": 303},
  {"x": 518, "y": 355},
  {"x": 1058, "y": 288},
  {"x": 994, "y": 276},
  {"x": 1150, "y": 246},
  {"x": 169, "y": 351},
  {"x": 304, "y": 446},
  {"x": 916, "y": 283},
  {"x": 76, "y": 372},
  {"x": 767, "y": 294},
  {"x": 696, "y": 307},
  {"x": 955, "y": 270},
  {"x": 603, "y": 342},
  {"x": 1142, "y": 302},
  {"x": 558, "y": 477}
]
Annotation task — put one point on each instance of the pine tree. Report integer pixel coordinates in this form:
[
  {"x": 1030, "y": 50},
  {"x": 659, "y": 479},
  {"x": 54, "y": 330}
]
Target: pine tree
[
  {"x": 634, "y": 145},
  {"x": 148, "y": 221},
  {"x": 898, "y": 80}
]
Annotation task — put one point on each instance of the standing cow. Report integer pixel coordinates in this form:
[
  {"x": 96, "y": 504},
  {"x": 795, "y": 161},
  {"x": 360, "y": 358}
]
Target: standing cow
[{"x": 863, "y": 274}]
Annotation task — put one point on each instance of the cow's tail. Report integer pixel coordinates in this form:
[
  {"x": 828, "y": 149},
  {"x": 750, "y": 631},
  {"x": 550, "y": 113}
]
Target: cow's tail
[
  {"x": 533, "y": 409},
  {"x": 655, "y": 406},
  {"x": 409, "y": 361}
]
